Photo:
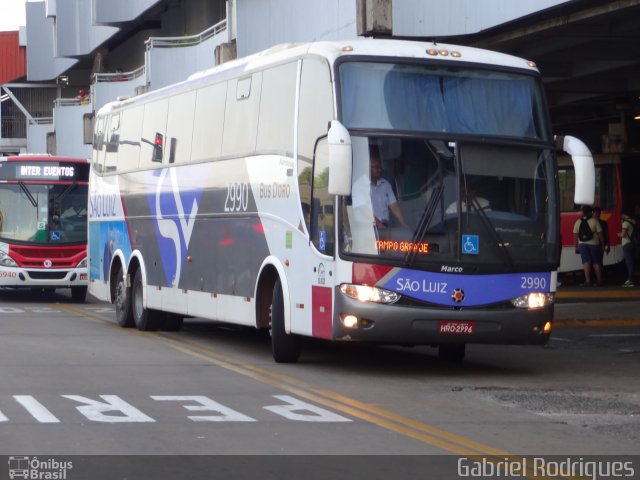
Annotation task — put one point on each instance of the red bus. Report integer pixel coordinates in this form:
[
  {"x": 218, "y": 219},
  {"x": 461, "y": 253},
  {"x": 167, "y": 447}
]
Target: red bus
[
  {"x": 615, "y": 175},
  {"x": 43, "y": 223}
]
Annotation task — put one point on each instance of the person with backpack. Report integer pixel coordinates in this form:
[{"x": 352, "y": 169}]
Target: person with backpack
[
  {"x": 587, "y": 234},
  {"x": 628, "y": 236},
  {"x": 606, "y": 246}
]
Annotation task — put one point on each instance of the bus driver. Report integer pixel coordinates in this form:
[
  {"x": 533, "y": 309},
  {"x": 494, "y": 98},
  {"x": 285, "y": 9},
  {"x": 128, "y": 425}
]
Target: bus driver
[{"x": 381, "y": 195}]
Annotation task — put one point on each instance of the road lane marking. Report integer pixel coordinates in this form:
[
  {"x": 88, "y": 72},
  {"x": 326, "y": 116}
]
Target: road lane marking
[
  {"x": 380, "y": 417},
  {"x": 423, "y": 432}
]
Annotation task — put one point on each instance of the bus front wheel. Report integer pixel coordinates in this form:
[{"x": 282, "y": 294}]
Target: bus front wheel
[
  {"x": 145, "y": 319},
  {"x": 284, "y": 347},
  {"x": 124, "y": 317}
]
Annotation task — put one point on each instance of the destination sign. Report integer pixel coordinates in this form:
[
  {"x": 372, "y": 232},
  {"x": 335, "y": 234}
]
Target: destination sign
[
  {"x": 44, "y": 171},
  {"x": 405, "y": 247}
]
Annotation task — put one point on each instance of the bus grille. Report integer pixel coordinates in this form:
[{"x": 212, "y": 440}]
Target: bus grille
[
  {"x": 63, "y": 256},
  {"x": 41, "y": 275}
]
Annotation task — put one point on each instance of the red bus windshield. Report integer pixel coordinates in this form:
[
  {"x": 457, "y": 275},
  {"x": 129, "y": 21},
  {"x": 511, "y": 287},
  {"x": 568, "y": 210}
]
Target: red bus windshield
[{"x": 43, "y": 202}]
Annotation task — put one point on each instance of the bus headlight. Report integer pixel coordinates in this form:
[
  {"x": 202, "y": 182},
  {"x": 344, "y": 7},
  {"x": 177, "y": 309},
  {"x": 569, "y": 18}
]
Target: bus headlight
[
  {"x": 83, "y": 263},
  {"x": 365, "y": 293},
  {"x": 533, "y": 300},
  {"x": 6, "y": 260}
]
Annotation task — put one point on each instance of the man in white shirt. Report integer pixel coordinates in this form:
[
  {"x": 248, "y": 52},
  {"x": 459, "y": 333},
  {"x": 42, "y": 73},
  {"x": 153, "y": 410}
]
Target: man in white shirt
[
  {"x": 383, "y": 200},
  {"x": 469, "y": 201}
]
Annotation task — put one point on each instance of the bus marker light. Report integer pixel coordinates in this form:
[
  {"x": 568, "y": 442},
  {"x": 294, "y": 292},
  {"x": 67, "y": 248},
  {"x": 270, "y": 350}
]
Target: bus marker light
[
  {"x": 348, "y": 48},
  {"x": 432, "y": 51},
  {"x": 547, "y": 328},
  {"x": 444, "y": 53},
  {"x": 456, "y": 54},
  {"x": 531, "y": 64},
  {"x": 349, "y": 321}
]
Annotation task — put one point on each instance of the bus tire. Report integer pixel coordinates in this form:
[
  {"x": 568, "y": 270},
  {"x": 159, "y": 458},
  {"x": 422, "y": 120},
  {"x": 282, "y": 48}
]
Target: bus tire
[
  {"x": 145, "y": 319},
  {"x": 285, "y": 348},
  {"x": 172, "y": 322},
  {"x": 452, "y": 352},
  {"x": 78, "y": 294},
  {"x": 122, "y": 301}
]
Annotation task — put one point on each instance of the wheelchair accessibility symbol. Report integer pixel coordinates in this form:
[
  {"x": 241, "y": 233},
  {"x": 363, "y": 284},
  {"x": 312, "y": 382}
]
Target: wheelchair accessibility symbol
[{"x": 470, "y": 244}]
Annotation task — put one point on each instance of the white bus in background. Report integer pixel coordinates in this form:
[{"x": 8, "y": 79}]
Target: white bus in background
[{"x": 242, "y": 195}]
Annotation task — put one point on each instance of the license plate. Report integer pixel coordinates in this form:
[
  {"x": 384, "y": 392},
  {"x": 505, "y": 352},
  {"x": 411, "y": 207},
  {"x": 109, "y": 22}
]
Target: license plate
[{"x": 457, "y": 328}]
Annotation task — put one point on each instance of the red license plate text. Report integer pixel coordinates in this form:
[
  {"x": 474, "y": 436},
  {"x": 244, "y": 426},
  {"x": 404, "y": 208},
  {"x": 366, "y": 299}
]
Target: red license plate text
[{"x": 456, "y": 328}]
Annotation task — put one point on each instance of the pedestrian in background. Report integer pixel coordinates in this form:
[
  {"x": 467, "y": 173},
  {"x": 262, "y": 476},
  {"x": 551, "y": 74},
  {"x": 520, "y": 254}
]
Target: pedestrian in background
[
  {"x": 606, "y": 246},
  {"x": 587, "y": 234},
  {"x": 628, "y": 226}
]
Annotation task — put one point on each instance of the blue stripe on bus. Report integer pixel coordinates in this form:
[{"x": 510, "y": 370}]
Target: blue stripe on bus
[{"x": 466, "y": 290}]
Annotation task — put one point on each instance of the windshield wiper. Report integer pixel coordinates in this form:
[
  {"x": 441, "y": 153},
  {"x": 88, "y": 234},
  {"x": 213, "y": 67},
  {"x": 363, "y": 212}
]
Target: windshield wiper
[
  {"x": 424, "y": 223},
  {"x": 26, "y": 191}
]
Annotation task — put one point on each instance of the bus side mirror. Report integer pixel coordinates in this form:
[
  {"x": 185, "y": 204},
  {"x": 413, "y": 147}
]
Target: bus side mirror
[
  {"x": 584, "y": 168},
  {"x": 340, "y": 159}
]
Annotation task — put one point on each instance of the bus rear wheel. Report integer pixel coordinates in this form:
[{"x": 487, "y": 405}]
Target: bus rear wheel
[
  {"x": 285, "y": 348},
  {"x": 124, "y": 316},
  {"x": 452, "y": 352},
  {"x": 145, "y": 319},
  {"x": 78, "y": 294}
]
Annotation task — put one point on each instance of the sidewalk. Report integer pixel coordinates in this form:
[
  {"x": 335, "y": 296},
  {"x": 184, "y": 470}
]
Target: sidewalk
[
  {"x": 614, "y": 277},
  {"x": 603, "y": 293}
]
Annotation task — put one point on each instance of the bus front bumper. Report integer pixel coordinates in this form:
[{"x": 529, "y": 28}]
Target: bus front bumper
[
  {"x": 417, "y": 325},
  {"x": 16, "y": 277}
]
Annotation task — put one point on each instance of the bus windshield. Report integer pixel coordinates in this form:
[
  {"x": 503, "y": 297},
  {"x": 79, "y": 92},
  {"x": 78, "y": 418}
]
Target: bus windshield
[
  {"x": 54, "y": 214},
  {"x": 421, "y": 200},
  {"x": 434, "y": 98}
]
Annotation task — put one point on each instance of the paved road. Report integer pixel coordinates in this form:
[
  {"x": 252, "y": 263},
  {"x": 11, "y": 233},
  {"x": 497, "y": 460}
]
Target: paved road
[{"x": 73, "y": 382}]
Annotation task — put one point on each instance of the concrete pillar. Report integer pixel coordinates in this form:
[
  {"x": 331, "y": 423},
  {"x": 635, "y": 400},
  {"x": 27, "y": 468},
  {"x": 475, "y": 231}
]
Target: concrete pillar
[{"x": 374, "y": 17}]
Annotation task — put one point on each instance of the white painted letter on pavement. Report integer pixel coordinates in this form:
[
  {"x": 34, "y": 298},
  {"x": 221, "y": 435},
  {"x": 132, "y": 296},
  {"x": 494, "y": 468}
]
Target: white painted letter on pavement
[
  {"x": 314, "y": 414},
  {"x": 36, "y": 409},
  {"x": 206, "y": 405},
  {"x": 95, "y": 410}
]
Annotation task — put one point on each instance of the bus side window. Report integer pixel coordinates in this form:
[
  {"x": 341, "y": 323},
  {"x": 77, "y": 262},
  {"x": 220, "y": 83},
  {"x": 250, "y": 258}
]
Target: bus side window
[
  {"x": 180, "y": 127},
  {"x": 315, "y": 113},
  {"x": 322, "y": 218},
  {"x": 208, "y": 122},
  {"x": 241, "y": 116},
  {"x": 98, "y": 144},
  {"x": 113, "y": 141},
  {"x": 277, "y": 109},
  {"x": 130, "y": 131}
]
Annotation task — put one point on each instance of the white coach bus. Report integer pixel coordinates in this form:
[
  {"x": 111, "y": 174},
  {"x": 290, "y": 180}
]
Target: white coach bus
[{"x": 245, "y": 194}]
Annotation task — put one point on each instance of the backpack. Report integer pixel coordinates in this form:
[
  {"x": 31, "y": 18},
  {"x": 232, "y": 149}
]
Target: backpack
[
  {"x": 635, "y": 233},
  {"x": 584, "y": 231}
]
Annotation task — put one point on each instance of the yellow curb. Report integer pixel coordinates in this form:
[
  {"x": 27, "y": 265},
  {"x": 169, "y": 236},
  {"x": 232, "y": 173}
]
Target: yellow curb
[
  {"x": 600, "y": 323},
  {"x": 590, "y": 292}
]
